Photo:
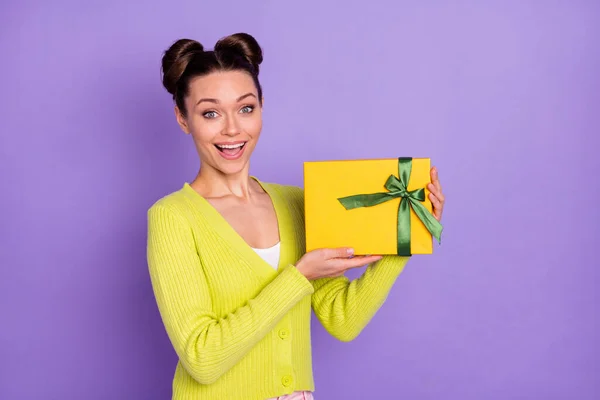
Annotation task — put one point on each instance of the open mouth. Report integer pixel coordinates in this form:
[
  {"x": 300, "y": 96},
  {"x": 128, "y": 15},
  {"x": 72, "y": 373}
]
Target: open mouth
[{"x": 231, "y": 150}]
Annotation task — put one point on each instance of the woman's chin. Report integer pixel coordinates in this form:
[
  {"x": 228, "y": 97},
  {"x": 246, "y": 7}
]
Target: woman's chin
[{"x": 231, "y": 167}]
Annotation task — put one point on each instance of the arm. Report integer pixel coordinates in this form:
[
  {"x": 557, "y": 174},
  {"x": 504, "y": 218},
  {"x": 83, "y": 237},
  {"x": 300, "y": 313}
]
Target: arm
[
  {"x": 209, "y": 345},
  {"x": 344, "y": 307}
]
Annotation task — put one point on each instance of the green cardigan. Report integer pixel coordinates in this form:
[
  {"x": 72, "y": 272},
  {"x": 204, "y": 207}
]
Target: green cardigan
[{"x": 240, "y": 328}]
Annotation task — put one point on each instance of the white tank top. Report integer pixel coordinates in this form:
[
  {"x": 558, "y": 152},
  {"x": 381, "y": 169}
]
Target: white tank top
[{"x": 270, "y": 255}]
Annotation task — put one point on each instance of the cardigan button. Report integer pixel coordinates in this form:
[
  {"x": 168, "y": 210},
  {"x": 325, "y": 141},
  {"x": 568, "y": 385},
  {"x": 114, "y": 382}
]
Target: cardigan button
[
  {"x": 286, "y": 380},
  {"x": 284, "y": 334}
]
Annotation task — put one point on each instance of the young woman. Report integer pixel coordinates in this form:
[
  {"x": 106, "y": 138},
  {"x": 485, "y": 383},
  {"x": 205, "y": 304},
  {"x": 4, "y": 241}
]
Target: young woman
[{"x": 226, "y": 252}]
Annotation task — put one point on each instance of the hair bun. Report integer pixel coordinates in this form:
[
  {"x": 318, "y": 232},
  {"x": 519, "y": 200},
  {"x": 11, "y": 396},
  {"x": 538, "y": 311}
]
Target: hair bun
[
  {"x": 244, "y": 45},
  {"x": 176, "y": 60}
]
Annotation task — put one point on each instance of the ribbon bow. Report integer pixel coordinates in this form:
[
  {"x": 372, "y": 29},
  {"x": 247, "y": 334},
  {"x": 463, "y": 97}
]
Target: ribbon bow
[{"x": 397, "y": 188}]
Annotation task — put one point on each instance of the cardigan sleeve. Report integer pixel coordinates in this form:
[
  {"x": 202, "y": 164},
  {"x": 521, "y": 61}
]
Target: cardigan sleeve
[
  {"x": 209, "y": 345},
  {"x": 345, "y": 307}
]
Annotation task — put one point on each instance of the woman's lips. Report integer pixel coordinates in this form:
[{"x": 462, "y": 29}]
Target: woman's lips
[{"x": 231, "y": 150}]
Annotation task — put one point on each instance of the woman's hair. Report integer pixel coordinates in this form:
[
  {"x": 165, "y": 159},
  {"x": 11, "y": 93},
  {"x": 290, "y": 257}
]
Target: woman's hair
[{"x": 187, "y": 59}]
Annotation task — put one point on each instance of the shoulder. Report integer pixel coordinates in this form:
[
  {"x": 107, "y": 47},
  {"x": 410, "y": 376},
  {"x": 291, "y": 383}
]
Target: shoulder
[
  {"x": 171, "y": 205},
  {"x": 288, "y": 193}
]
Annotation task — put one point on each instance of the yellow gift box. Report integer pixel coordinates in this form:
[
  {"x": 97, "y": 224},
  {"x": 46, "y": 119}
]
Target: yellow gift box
[{"x": 359, "y": 204}]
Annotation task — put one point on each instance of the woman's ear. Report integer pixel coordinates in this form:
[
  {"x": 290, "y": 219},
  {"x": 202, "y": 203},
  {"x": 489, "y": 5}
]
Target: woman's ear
[{"x": 181, "y": 121}]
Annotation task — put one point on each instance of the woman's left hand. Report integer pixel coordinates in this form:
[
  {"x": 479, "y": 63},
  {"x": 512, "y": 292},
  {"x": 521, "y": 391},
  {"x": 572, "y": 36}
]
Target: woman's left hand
[{"x": 436, "y": 197}]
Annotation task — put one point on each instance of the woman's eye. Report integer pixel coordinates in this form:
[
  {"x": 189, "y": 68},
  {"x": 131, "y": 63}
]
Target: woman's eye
[
  {"x": 210, "y": 114},
  {"x": 247, "y": 109}
]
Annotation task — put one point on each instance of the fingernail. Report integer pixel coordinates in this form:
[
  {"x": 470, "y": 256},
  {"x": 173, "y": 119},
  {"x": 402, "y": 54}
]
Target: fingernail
[{"x": 350, "y": 252}]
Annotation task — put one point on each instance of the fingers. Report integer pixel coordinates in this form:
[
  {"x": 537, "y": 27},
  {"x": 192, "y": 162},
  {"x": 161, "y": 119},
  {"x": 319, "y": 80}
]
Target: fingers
[
  {"x": 437, "y": 200},
  {"x": 436, "y": 196},
  {"x": 370, "y": 258},
  {"x": 438, "y": 206},
  {"x": 435, "y": 180},
  {"x": 341, "y": 252},
  {"x": 347, "y": 253},
  {"x": 435, "y": 192},
  {"x": 356, "y": 262},
  {"x": 435, "y": 187}
]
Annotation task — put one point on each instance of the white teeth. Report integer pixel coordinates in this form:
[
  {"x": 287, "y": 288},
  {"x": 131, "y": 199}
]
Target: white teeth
[{"x": 230, "y": 146}]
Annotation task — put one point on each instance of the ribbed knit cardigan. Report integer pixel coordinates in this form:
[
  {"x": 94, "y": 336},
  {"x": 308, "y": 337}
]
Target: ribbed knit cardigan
[{"x": 240, "y": 328}]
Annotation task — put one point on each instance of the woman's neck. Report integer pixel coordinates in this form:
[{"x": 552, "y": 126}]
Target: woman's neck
[{"x": 211, "y": 183}]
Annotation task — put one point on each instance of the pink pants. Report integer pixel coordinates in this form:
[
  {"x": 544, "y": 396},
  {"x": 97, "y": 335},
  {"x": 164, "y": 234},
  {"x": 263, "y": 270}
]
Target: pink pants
[{"x": 296, "y": 396}]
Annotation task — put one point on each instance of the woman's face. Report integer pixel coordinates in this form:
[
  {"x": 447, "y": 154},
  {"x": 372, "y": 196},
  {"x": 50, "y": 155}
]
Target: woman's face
[{"x": 224, "y": 117}]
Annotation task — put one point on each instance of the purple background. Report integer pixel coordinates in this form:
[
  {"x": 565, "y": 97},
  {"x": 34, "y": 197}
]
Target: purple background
[{"x": 503, "y": 96}]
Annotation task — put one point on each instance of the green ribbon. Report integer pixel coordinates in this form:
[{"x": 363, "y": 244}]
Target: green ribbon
[{"x": 397, "y": 188}]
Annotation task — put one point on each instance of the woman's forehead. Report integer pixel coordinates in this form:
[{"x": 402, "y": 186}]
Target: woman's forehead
[{"x": 222, "y": 85}]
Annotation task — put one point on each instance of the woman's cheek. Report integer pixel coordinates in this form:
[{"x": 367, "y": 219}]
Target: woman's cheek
[{"x": 206, "y": 130}]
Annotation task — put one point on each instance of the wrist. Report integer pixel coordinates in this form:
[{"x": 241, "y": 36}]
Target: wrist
[{"x": 301, "y": 268}]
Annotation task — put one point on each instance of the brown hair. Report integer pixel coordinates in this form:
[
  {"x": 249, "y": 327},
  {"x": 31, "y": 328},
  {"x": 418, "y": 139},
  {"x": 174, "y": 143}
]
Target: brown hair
[{"x": 186, "y": 59}]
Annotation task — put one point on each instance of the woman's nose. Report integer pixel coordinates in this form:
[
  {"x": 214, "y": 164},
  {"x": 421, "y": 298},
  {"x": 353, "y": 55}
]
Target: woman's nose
[{"x": 232, "y": 127}]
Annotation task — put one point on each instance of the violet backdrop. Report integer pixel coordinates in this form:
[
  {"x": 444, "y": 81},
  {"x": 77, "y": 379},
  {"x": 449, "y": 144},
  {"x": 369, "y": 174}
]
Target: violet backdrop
[{"x": 504, "y": 96}]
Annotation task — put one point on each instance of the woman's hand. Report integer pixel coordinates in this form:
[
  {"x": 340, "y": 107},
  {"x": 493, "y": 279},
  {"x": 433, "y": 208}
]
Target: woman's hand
[
  {"x": 436, "y": 197},
  {"x": 324, "y": 263}
]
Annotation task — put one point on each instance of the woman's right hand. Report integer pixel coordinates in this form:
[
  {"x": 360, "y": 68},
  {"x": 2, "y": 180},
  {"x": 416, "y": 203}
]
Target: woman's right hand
[{"x": 327, "y": 263}]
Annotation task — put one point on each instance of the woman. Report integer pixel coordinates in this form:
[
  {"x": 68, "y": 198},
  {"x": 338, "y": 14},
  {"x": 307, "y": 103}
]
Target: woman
[{"x": 226, "y": 252}]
